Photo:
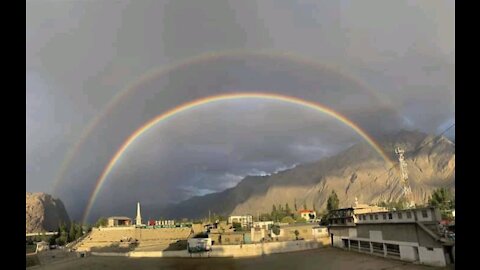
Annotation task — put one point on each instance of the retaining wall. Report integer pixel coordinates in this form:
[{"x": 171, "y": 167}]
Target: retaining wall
[{"x": 246, "y": 250}]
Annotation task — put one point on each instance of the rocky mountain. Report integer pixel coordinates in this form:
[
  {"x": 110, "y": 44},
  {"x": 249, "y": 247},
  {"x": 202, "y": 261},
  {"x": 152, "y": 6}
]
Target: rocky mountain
[
  {"x": 356, "y": 172},
  {"x": 44, "y": 213}
]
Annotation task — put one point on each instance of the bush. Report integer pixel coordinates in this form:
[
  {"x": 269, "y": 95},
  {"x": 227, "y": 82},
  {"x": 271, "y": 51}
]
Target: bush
[
  {"x": 276, "y": 229},
  {"x": 288, "y": 220},
  {"x": 237, "y": 226}
]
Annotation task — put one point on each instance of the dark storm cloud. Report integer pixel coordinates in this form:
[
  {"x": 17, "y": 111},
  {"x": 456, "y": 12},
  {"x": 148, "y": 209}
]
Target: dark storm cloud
[
  {"x": 80, "y": 53},
  {"x": 212, "y": 148}
]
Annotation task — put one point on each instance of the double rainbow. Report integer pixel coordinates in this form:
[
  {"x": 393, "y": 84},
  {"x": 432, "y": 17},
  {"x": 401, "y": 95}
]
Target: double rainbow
[
  {"x": 218, "y": 98},
  {"x": 201, "y": 59}
]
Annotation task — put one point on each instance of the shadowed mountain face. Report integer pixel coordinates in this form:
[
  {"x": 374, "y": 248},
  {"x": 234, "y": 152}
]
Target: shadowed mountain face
[
  {"x": 44, "y": 213},
  {"x": 356, "y": 172}
]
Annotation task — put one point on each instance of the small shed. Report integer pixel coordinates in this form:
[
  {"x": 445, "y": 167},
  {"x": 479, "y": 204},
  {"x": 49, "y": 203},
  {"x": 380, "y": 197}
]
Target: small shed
[{"x": 119, "y": 221}]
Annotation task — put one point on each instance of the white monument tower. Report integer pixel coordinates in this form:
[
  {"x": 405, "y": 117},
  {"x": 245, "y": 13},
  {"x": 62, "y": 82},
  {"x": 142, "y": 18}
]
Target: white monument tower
[{"x": 138, "y": 220}]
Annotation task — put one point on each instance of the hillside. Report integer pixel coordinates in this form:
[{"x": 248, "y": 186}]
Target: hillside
[
  {"x": 44, "y": 213},
  {"x": 356, "y": 172}
]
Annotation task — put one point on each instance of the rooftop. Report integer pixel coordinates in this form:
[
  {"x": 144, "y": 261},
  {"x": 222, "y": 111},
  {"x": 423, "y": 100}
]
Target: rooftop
[
  {"x": 118, "y": 217},
  {"x": 299, "y": 225}
]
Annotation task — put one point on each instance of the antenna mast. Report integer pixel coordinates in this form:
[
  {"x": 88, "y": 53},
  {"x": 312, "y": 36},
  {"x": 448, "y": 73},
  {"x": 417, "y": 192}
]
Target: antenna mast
[{"x": 407, "y": 191}]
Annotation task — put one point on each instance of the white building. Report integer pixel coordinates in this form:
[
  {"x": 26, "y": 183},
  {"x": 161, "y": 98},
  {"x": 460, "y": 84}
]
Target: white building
[
  {"x": 119, "y": 221},
  {"x": 245, "y": 221},
  {"x": 308, "y": 215},
  {"x": 263, "y": 224},
  {"x": 409, "y": 235}
]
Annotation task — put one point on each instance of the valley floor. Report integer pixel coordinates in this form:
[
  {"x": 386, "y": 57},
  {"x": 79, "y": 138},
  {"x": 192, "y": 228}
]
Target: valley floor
[{"x": 324, "y": 258}]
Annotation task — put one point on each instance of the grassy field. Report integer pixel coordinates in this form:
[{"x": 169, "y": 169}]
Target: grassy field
[{"x": 324, "y": 258}]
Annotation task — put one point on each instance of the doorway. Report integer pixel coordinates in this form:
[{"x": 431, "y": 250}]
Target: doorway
[{"x": 416, "y": 256}]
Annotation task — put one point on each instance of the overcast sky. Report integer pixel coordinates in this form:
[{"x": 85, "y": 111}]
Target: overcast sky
[{"x": 393, "y": 67}]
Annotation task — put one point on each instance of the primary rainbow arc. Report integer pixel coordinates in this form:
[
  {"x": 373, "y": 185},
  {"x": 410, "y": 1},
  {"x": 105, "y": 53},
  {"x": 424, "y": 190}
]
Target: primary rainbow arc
[{"x": 217, "y": 98}]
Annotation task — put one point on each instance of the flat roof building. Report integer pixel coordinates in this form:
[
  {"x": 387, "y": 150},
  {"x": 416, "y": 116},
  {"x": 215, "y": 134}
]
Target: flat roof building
[
  {"x": 245, "y": 221},
  {"x": 119, "y": 221},
  {"x": 411, "y": 235}
]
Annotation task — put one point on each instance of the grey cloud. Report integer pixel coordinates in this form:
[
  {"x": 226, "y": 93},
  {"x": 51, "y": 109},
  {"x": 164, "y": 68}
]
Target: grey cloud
[{"x": 81, "y": 53}]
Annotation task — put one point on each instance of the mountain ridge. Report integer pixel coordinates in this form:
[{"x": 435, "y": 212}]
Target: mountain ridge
[{"x": 357, "y": 171}]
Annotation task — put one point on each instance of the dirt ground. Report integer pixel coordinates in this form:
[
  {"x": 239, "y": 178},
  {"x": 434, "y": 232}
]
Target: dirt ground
[{"x": 325, "y": 258}]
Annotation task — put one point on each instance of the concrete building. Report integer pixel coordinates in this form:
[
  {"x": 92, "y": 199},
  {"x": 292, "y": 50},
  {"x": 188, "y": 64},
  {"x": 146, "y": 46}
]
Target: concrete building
[
  {"x": 42, "y": 246},
  {"x": 410, "y": 235},
  {"x": 119, "y": 221},
  {"x": 245, "y": 221},
  {"x": 165, "y": 223},
  {"x": 263, "y": 224},
  {"x": 234, "y": 238},
  {"x": 320, "y": 232},
  {"x": 308, "y": 215}
]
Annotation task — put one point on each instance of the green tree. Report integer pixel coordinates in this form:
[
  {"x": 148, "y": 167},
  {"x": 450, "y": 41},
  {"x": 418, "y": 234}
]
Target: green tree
[
  {"x": 441, "y": 198},
  {"x": 101, "y": 222},
  {"x": 295, "y": 204},
  {"x": 288, "y": 219},
  {"x": 332, "y": 202},
  {"x": 265, "y": 217},
  {"x": 72, "y": 232},
  {"x": 288, "y": 212},
  {"x": 237, "y": 226},
  {"x": 394, "y": 205},
  {"x": 299, "y": 219},
  {"x": 78, "y": 231},
  {"x": 274, "y": 213}
]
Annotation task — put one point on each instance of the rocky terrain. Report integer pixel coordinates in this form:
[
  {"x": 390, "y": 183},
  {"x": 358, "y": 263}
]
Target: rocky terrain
[{"x": 44, "y": 213}]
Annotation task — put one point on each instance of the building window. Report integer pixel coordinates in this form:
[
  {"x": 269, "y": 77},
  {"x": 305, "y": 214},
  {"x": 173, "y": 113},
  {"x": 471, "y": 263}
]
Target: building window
[
  {"x": 365, "y": 246},
  {"x": 354, "y": 244},
  {"x": 393, "y": 250},
  {"x": 409, "y": 214},
  {"x": 377, "y": 248},
  {"x": 430, "y": 248},
  {"x": 424, "y": 213},
  {"x": 390, "y": 216},
  {"x": 376, "y": 217},
  {"x": 371, "y": 217},
  {"x": 384, "y": 216},
  {"x": 399, "y": 215}
]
